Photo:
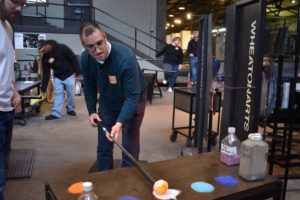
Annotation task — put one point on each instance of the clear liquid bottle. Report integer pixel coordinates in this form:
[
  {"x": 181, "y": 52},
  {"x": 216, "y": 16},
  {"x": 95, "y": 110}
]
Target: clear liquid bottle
[
  {"x": 230, "y": 148},
  {"x": 87, "y": 192},
  {"x": 254, "y": 155}
]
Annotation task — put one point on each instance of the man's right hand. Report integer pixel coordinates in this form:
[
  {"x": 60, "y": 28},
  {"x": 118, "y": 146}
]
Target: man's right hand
[
  {"x": 191, "y": 54},
  {"x": 93, "y": 117}
]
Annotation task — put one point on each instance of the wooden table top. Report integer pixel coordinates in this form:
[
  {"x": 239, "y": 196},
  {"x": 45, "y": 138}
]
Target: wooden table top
[{"x": 180, "y": 173}]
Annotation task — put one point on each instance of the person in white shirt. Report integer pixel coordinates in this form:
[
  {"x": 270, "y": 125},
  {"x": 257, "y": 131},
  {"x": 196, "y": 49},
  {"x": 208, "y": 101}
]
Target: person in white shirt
[{"x": 10, "y": 99}]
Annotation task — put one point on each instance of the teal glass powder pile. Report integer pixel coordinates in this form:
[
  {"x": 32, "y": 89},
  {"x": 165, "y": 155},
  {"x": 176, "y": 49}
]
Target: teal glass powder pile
[{"x": 202, "y": 187}]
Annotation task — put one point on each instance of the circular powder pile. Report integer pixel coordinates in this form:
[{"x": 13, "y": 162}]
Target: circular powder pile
[
  {"x": 227, "y": 180},
  {"x": 128, "y": 198},
  {"x": 202, "y": 187}
]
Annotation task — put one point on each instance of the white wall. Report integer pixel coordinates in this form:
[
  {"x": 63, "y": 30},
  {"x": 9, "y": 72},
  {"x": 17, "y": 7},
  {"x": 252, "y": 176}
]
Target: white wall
[
  {"x": 71, "y": 40},
  {"x": 52, "y": 11},
  {"x": 140, "y": 13}
]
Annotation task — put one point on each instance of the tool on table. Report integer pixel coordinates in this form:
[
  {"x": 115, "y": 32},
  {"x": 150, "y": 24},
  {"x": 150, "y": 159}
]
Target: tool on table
[
  {"x": 150, "y": 178},
  {"x": 166, "y": 193}
]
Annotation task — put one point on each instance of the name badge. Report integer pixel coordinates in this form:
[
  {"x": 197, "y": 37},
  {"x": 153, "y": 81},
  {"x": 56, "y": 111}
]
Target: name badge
[{"x": 112, "y": 79}]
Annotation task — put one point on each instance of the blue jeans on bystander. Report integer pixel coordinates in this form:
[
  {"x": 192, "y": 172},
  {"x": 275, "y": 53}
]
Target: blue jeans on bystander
[
  {"x": 6, "y": 127},
  {"x": 171, "y": 75},
  {"x": 59, "y": 87},
  {"x": 194, "y": 68}
]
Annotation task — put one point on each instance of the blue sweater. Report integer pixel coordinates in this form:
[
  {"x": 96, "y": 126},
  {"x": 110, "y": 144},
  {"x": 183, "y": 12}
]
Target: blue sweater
[{"x": 119, "y": 79}]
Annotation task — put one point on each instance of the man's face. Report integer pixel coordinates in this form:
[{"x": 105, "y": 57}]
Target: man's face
[
  {"x": 176, "y": 42},
  {"x": 12, "y": 9},
  {"x": 196, "y": 35},
  {"x": 96, "y": 44}
]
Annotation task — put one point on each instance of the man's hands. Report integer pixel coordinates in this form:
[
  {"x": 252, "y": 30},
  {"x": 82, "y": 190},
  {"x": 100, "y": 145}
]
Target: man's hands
[
  {"x": 115, "y": 130},
  {"x": 16, "y": 100},
  {"x": 180, "y": 67},
  {"x": 94, "y": 117}
]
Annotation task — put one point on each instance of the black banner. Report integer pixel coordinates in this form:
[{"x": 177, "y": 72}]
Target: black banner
[{"x": 243, "y": 64}]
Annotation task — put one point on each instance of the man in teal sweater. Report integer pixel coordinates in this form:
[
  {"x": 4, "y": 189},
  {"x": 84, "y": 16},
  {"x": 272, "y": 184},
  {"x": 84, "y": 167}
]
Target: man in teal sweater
[{"x": 113, "y": 69}]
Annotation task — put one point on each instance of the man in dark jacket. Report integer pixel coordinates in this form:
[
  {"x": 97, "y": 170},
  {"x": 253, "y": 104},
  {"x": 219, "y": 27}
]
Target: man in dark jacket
[
  {"x": 62, "y": 60},
  {"x": 192, "y": 52},
  {"x": 112, "y": 68}
]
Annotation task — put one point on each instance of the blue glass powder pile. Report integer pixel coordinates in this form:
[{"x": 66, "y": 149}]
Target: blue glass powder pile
[
  {"x": 128, "y": 198},
  {"x": 226, "y": 180}
]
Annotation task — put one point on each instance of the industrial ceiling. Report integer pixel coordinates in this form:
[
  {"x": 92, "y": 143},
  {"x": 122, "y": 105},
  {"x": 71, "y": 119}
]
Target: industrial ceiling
[{"x": 278, "y": 13}]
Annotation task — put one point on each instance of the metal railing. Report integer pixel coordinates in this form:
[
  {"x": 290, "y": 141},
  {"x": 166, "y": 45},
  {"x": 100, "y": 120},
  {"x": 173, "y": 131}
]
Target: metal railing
[{"x": 129, "y": 34}]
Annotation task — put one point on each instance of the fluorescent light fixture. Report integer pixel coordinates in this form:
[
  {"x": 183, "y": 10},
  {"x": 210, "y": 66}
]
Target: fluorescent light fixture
[
  {"x": 189, "y": 16},
  {"x": 181, "y": 8},
  {"x": 222, "y": 30},
  {"x": 214, "y": 30},
  {"x": 170, "y": 15}
]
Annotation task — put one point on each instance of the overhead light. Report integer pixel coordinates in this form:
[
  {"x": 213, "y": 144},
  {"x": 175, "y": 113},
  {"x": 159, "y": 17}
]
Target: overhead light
[
  {"x": 214, "y": 31},
  {"x": 172, "y": 25},
  {"x": 166, "y": 27},
  {"x": 222, "y": 30},
  {"x": 177, "y": 21},
  {"x": 168, "y": 24},
  {"x": 181, "y": 8},
  {"x": 293, "y": 1},
  {"x": 189, "y": 16},
  {"x": 170, "y": 15}
]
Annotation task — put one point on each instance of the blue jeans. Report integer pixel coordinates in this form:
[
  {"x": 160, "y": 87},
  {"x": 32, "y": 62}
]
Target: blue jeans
[
  {"x": 171, "y": 75},
  {"x": 59, "y": 87},
  {"x": 216, "y": 66},
  {"x": 194, "y": 68},
  {"x": 130, "y": 136},
  {"x": 6, "y": 127}
]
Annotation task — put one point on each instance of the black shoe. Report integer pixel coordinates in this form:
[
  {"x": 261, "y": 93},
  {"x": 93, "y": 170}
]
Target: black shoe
[
  {"x": 73, "y": 113},
  {"x": 50, "y": 117}
]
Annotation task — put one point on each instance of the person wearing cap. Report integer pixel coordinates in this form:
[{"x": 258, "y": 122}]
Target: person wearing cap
[
  {"x": 10, "y": 100},
  {"x": 112, "y": 68},
  {"x": 64, "y": 63}
]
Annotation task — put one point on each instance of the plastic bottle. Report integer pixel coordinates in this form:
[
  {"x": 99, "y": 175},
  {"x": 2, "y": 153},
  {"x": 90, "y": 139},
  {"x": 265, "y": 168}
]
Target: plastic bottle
[
  {"x": 230, "y": 148},
  {"x": 254, "y": 155},
  {"x": 87, "y": 192}
]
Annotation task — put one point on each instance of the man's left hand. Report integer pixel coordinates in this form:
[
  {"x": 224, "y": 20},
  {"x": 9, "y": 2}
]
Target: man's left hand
[
  {"x": 115, "y": 132},
  {"x": 180, "y": 67},
  {"x": 16, "y": 102}
]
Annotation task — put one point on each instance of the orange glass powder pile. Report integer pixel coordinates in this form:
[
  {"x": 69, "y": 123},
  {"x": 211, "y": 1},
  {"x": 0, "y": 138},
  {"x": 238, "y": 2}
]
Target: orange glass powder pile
[{"x": 76, "y": 188}]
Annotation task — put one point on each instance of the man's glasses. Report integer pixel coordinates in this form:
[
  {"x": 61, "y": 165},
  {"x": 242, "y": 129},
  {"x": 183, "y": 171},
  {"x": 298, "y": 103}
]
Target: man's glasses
[
  {"x": 18, "y": 3},
  {"x": 98, "y": 45}
]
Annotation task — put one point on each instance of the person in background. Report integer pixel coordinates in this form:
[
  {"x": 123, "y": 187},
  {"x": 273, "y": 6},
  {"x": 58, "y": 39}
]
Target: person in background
[
  {"x": 192, "y": 52},
  {"x": 10, "y": 99},
  {"x": 112, "y": 68},
  {"x": 64, "y": 63},
  {"x": 172, "y": 62}
]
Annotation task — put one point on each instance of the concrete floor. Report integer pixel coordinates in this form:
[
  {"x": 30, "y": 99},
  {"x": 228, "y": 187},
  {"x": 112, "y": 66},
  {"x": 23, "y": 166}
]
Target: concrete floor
[{"x": 67, "y": 147}]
